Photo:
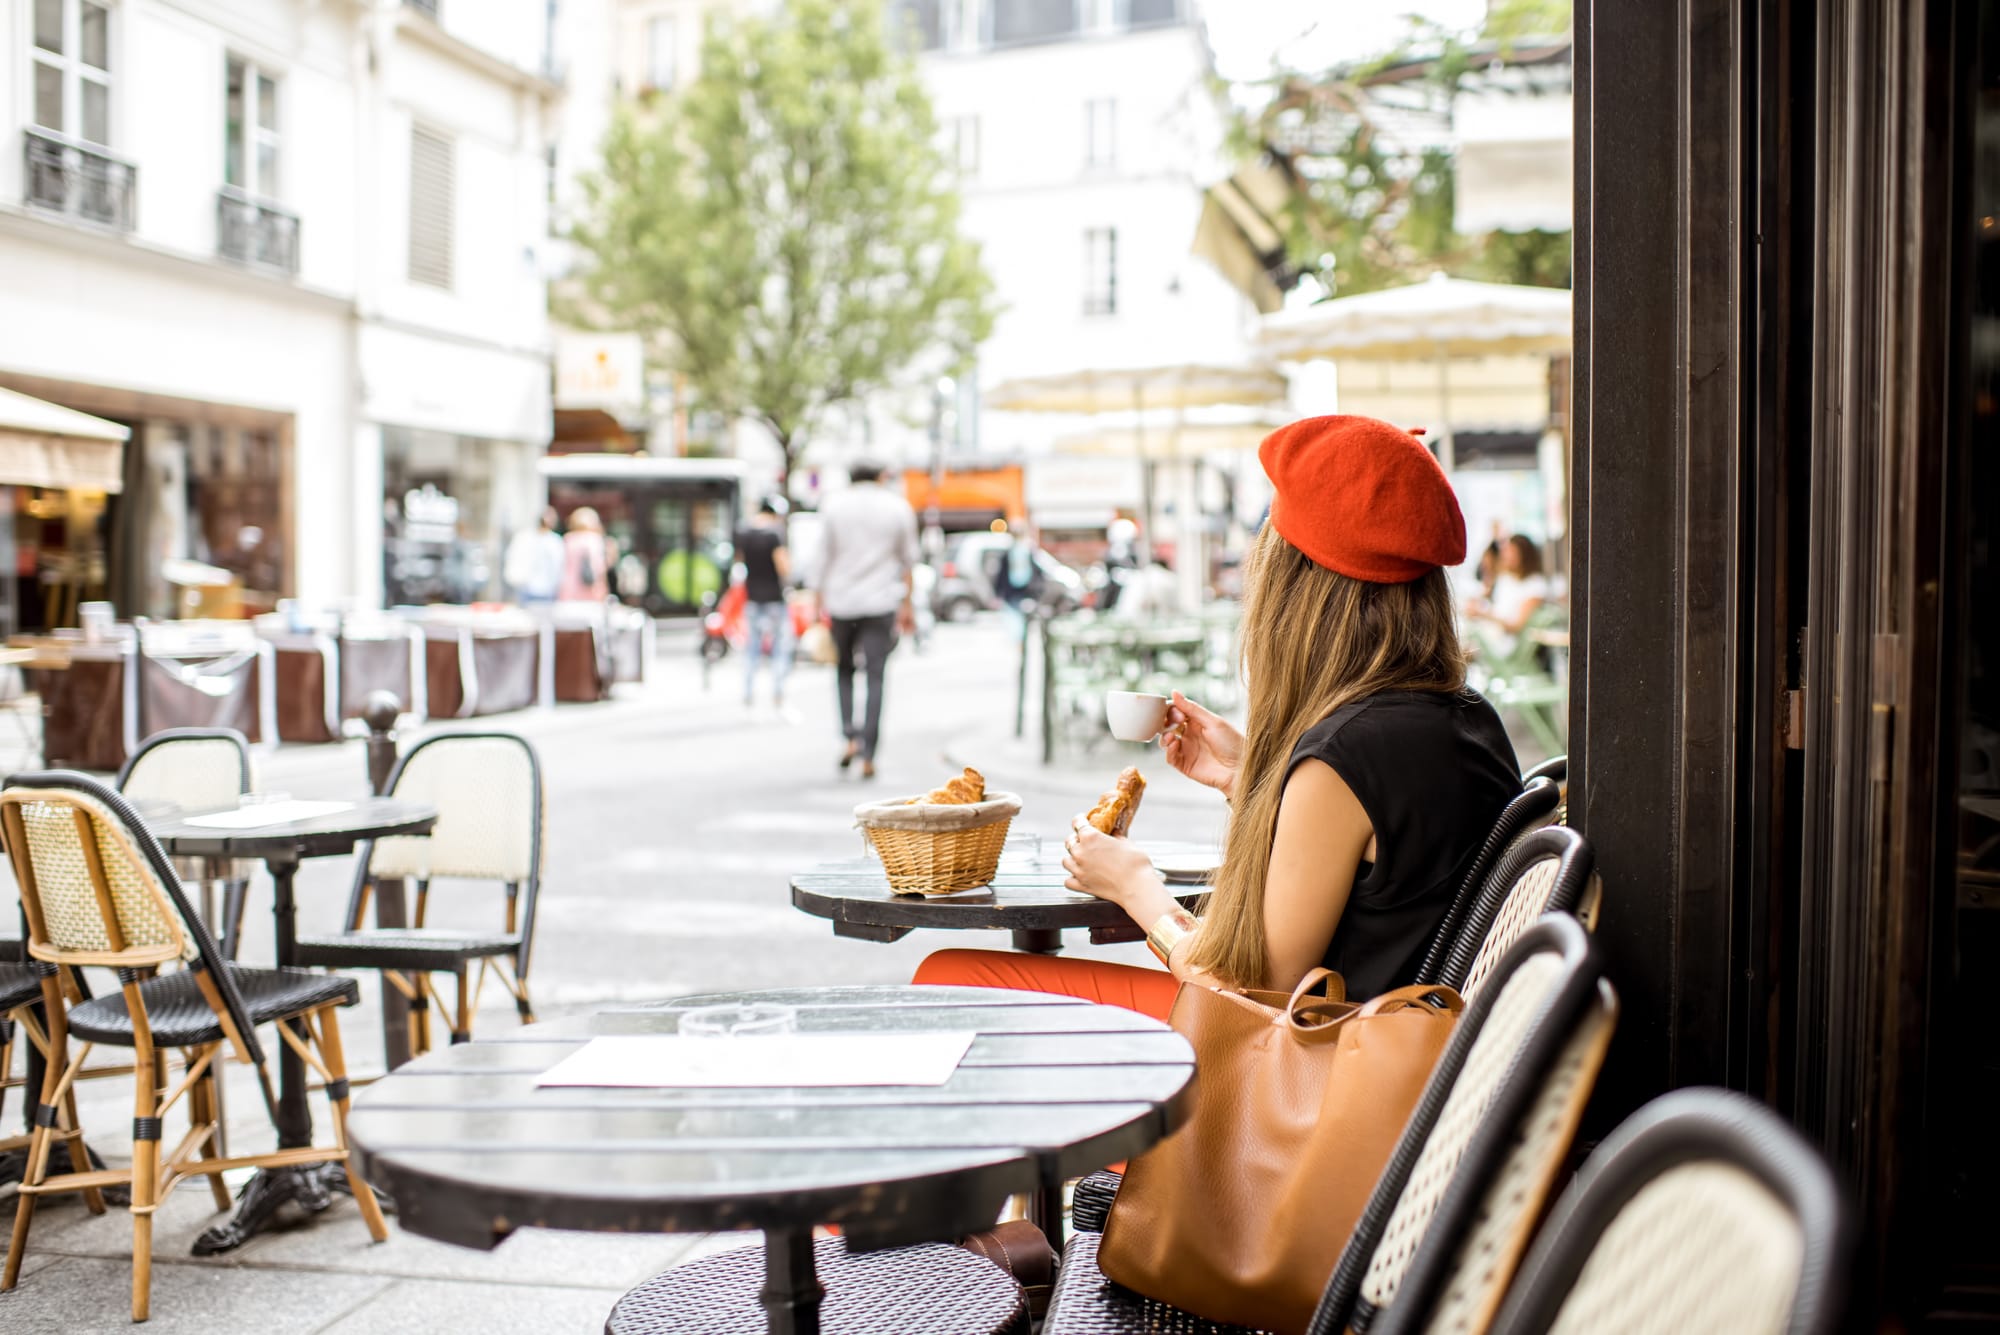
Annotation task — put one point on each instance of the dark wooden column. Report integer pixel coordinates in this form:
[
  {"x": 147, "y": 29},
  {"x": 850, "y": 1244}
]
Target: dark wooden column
[{"x": 1664, "y": 513}]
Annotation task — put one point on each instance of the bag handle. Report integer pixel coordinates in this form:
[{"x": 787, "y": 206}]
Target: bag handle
[
  {"x": 1336, "y": 987},
  {"x": 1399, "y": 998}
]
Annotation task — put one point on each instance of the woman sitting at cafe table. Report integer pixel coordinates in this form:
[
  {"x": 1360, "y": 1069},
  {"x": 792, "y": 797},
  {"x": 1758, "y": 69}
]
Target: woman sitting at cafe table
[{"x": 1368, "y": 774}]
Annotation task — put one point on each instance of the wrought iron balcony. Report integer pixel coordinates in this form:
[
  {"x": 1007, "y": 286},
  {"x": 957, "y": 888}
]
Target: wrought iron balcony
[
  {"x": 252, "y": 231},
  {"x": 66, "y": 177}
]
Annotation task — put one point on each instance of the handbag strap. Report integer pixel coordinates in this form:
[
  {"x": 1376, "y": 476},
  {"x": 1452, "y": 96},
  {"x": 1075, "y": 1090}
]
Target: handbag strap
[
  {"x": 1336, "y": 987},
  {"x": 1436, "y": 994}
]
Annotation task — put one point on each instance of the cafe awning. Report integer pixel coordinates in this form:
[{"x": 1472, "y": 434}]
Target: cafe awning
[{"x": 43, "y": 445}]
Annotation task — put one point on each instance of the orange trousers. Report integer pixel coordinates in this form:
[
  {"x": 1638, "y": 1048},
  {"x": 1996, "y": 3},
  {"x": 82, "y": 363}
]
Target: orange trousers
[{"x": 1147, "y": 991}]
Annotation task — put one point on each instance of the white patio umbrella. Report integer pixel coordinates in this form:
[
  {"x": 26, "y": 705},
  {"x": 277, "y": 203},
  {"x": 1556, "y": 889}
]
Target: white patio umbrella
[
  {"x": 1138, "y": 390},
  {"x": 1435, "y": 320}
]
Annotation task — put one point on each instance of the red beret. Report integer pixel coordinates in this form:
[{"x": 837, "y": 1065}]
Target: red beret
[{"x": 1363, "y": 498}]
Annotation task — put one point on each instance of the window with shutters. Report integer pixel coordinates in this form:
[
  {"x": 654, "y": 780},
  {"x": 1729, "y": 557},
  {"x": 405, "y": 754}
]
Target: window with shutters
[
  {"x": 432, "y": 206},
  {"x": 1100, "y": 271}
]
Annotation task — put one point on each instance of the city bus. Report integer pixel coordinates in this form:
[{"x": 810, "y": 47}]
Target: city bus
[{"x": 672, "y": 520}]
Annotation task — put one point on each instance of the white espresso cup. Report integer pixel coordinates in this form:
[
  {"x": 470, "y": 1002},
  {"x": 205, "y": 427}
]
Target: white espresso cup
[{"x": 1135, "y": 716}]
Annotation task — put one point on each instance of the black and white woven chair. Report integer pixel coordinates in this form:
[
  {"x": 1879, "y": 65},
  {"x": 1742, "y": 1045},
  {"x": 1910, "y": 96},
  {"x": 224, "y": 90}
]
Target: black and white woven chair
[
  {"x": 1472, "y": 1169},
  {"x": 1549, "y": 870},
  {"x": 197, "y": 769},
  {"x": 1536, "y": 802},
  {"x": 99, "y": 891},
  {"x": 1702, "y": 1211},
  {"x": 487, "y": 789}
]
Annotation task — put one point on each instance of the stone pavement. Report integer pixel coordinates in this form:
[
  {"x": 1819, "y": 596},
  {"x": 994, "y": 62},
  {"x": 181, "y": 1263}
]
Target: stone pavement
[{"x": 676, "y": 816}]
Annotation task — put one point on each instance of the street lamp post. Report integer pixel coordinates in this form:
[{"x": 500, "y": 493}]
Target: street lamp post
[{"x": 933, "y": 510}]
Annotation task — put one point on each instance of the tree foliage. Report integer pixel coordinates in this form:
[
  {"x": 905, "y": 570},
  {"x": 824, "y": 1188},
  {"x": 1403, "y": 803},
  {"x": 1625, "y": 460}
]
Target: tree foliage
[
  {"x": 785, "y": 230},
  {"x": 1373, "y": 211}
]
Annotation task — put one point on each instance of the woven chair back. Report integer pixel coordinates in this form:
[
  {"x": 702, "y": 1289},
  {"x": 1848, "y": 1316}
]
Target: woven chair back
[
  {"x": 487, "y": 790},
  {"x": 1534, "y": 804},
  {"x": 1546, "y": 871},
  {"x": 197, "y": 769},
  {"x": 1508, "y": 1049},
  {"x": 98, "y": 889},
  {"x": 1703, "y": 1210}
]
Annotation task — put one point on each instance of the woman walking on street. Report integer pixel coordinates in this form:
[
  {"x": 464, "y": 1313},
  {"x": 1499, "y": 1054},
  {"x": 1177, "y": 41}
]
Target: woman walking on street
[{"x": 586, "y": 559}]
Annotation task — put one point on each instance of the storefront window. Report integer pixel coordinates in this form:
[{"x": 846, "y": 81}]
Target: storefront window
[{"x": 446, "y": 514}]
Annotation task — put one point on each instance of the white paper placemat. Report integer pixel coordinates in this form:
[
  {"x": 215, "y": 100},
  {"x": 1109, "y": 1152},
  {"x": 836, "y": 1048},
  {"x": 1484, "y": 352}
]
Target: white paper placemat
[
  {"x": 266, "y": 813},
  {"x": 772, "y": 1061}
]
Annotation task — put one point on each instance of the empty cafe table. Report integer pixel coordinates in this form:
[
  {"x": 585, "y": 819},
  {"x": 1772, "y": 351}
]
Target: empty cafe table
[
  {"x": 1026, "y": 897},
  {"x": 471, "y": 1148},
  {"x": 317, "y": 830}
]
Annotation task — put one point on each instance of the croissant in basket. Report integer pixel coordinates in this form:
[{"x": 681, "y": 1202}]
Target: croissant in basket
[
  {"x": 1114, "y": 811},
  {"x": 966, "y": 789}
]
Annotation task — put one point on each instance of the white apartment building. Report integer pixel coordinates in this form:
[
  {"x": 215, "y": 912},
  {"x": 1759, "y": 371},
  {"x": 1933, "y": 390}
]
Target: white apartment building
[
  {"x": 1088, "y": 136},
  {"x": 297, "y": 246}
]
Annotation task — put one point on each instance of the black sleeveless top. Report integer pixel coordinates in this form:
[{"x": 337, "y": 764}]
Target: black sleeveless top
[{"x": 1433, "y": 772}]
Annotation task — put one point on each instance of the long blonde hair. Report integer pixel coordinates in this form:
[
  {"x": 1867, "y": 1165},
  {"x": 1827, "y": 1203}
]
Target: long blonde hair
[{"x": 1313, "y": 641}]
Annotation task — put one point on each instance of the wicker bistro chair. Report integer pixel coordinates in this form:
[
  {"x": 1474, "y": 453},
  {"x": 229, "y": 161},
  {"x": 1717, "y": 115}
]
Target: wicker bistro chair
[
  {"x": 487, "y": 789},
  {"x": 98, "y": 890},
  {"x": 1547, "y": 871},
  {"x": 1467, "y": 1179},
  {"x": 199, "y": 769},
  {"x": 1703, "y": 1211},
  {"x": 1537, "y": 800}
]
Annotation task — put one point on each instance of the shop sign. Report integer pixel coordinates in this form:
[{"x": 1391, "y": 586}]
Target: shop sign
[
  {"x": 429, "y": 515},
  {"x": 604, "y": 371}
]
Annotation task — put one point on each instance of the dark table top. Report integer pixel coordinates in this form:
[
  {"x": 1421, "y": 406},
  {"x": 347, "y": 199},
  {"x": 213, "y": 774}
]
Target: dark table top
[
  {"x": 1024, "y": 894},
  {"x": 1052, "y": 1088},
  {"x": 316, "y": 836}
]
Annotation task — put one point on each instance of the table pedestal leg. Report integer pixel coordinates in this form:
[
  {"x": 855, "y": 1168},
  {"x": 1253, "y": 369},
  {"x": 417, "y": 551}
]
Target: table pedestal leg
[
  {"x": 1038, "y": 940},
  {"x": 272, "y": 1187},
  {"x": 792, "y": 1292}
]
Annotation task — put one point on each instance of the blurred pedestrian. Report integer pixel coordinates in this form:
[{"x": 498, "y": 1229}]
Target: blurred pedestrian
[
  {"x": 535, "y": 562},
  {"x": 869, "y": 546},
  {"x": 1018, "y": 580},
  {"x": 586, "y": 559},
  {"x": 767, "y": 568},
  {"x": 1519, "y": 591}
]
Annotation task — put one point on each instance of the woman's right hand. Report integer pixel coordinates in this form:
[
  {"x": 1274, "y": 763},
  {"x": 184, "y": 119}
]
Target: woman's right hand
[{"x": 1202, "y": 745}]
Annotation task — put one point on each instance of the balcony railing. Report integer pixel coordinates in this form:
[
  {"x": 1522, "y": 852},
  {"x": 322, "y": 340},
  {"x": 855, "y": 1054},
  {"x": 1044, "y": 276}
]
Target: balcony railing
[
  {"x": 251, "y": 231},
  {"x": 66, "y": 177}
]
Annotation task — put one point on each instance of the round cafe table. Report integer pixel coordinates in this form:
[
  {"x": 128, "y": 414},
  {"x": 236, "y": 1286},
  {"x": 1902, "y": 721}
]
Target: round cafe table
[
  {"x": 470, "y": 1148},
  {"x": 281, "y": 845},
  {"x": 1025, "y": 897}
]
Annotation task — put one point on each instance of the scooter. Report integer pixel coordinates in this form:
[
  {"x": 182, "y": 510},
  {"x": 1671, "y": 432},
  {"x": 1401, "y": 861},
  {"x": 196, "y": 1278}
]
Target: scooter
[{"x": 724, "y": 625}]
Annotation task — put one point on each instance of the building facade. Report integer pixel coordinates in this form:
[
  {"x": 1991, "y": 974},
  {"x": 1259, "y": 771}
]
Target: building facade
[{"x": 298, "y": 248}]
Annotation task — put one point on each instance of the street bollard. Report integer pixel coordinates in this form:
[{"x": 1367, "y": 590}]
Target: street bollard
[{"x": 380, "y": 712}]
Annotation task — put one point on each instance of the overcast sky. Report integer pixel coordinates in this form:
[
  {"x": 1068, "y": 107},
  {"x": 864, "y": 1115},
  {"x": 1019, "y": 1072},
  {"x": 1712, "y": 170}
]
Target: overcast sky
[{"x": 1314, "y": 33}]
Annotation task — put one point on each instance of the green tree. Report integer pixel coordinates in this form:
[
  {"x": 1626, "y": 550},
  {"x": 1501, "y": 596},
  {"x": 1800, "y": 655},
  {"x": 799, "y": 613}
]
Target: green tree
[
  {"x": 785, "y": 230},
  {"x": 1371, "y": 214}
]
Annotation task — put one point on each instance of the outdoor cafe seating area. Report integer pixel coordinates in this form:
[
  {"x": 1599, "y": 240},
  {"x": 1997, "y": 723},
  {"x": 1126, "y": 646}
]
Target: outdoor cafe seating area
[
  {"x": 296, "y": 676},
  {"x": 906, "y": 1118}
]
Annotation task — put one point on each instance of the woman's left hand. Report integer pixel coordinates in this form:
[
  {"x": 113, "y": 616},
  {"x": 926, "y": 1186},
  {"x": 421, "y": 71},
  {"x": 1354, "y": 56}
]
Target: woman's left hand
[{"x": 1110, "y": 868}]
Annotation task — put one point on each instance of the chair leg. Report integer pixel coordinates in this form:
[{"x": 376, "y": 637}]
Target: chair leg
[
  {"x": 336, "y": 1067},
  {"x": 79, "y": 1154},
  {"x": 461, "y": 1030},
  {"x": 145, "y": 1189},
  {"x": 24, "y": 1206},
  {"x": 522, "y": 1005},
  {"x": 205, "y": 1108},
  {"x": 420, "y": 1015}
]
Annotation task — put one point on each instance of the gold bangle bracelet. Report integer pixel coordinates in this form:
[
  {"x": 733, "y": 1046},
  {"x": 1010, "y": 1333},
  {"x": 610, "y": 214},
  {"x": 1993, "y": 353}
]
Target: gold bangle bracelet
[{"x": 1170, "y": 930}]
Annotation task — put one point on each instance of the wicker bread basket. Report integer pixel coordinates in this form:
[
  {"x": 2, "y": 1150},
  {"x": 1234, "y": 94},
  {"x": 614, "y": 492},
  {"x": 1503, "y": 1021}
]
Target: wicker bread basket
[{"x": 934, "y": 849}]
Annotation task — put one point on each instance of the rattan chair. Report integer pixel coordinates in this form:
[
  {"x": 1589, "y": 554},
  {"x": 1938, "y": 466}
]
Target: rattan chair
[
  {"x": 1547, "y": 871},
  {"x": 197, "y": 769},
  {"x": 1703, "y": 1211},
  {"x": 487, "y": 789},
  {"x": 1472, "y": 1168},
  {"x": 1537, "y": 799},
  {"x": 99, "y": 891}
]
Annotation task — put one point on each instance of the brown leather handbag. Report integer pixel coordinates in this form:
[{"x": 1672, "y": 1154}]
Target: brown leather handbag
[{"x": 1240, "y": 1215}]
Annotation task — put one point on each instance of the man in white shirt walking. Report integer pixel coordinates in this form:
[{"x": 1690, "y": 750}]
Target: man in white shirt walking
[{"x": 869, "y": 546}]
